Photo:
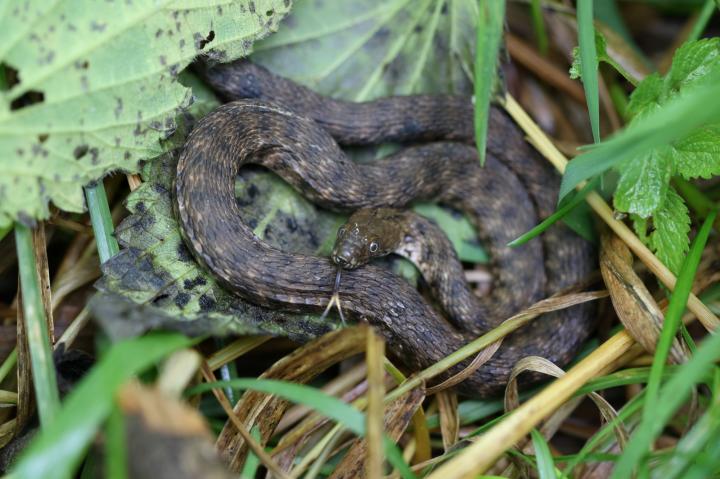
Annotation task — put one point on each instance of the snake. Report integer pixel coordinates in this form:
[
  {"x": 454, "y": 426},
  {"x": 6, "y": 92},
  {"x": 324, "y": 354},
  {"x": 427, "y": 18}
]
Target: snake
[{"x": 297, "y": 133}]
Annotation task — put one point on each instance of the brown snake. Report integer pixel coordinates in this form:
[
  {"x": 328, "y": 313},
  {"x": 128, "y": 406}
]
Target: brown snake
[{"x": 295, "y": 133}]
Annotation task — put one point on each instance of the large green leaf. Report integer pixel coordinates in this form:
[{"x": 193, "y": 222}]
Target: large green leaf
[
  {"x": 96, "y": 86},
  {"x": 365, "y": 49}
]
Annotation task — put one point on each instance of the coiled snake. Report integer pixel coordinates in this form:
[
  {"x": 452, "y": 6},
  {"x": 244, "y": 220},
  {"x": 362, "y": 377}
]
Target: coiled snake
[{"x": 295, "y": 133}]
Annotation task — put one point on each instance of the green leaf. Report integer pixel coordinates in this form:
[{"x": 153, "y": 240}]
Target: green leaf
[
  {"x": 644, "y": 182},
  {"x": 489, "y": 33},
  {"x": 155, "y": 269},
  {"x": 671, "y": 223},
  {"x": 366, "y": 49},
  {"x": 673, "y": 121},
  {"x": 543, "y": 456},
  {"x": 98, "y": 87},
  {"x": 459, "y": 231},
  {"x": 672, "y": 395},
  {"x": 673, "y": 317},
  {"x": 323, "y": 403},
  {"x": 698, "y": 154},
  {"x": 589, "y": 63},
  {"x": 692, "y": 64},
  {"x": 646, "y": 95},
  {"x": 57, "y": 449}
]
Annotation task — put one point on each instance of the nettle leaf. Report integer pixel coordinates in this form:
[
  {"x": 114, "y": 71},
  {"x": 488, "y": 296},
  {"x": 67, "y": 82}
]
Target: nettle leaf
[
  {"x": 644, "y": 182},
  {"x": 670, "y": 228},
  {"x": 601, "y": 52},
  {"x": 643, "y": 189},
  {"x": 692, "y": 63},
  {"x": 92, "y": 87},
  {"x": 698, "y": 155},
  {"x": 646, "y": 96}
]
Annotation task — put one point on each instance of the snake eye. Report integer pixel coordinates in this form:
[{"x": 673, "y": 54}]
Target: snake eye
[
  {"x": 374, "y": 247},
  {"x": 341, "y": 232}
]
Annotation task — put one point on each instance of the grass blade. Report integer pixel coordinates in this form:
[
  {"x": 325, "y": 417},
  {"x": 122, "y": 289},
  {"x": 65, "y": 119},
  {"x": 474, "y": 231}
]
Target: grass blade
[
  {"x": 561, "y": 212},
  {"x": 674, "y": 120},
  {"x": 589, "y": 63},
  {"x": 545, "y": 463},
  {"x": 101, "y": 219},
  {"x": 58, "y": 449},
  {"x": 489, "y": 33},
  {"x": 539, "y": 26},
  {"x": 703, "y": 18},
  {"x": 326, "y": 405},
  {"x": 673, "y": 316},
  {"x": 672, "y": 396},
  {"x": 43, "y": 368}
]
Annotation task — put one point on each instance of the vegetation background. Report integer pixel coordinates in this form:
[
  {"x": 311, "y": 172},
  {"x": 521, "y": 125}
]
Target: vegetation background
[{"x": 95, "y": 100}]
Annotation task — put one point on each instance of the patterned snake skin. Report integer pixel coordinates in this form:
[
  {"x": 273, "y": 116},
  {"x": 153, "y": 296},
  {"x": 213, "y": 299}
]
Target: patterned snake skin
[{"x": 295, "y": 132}]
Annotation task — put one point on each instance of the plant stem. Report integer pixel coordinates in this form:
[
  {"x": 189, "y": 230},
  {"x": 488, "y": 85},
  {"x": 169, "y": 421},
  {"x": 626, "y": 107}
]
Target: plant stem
[
  {"x": 101, "y": 219},
  {"x": 43, "y": 369}
]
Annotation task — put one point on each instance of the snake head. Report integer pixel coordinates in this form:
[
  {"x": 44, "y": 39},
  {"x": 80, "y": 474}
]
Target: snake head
[{"x": 369, "y": 233}]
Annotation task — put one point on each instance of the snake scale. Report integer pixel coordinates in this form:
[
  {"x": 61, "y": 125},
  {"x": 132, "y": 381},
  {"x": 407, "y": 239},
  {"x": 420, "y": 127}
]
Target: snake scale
[{"x": 295, "y": 132}]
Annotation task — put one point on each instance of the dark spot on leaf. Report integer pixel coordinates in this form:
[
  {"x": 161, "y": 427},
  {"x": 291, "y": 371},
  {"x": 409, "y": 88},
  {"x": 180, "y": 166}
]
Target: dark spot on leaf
[
  {"x": 42, "y": 138},
  {"x": 163, "y": 60},
  {"x": 252, "y": 223},
  {"x": 118, "y": 109},
  {"x": 158, "y": 33},
  {"x": 219, "y": 10},
  {"x": 155, "y": 125},
  {"x": 158, "y": 299},
  {"x": 183, "y": 254},
  {"x": 418, "y": 28},
  {"x": 251, "y": 6},
  {"x": 94, "y": 156},
  {"x": 140, "y": 207},
  {"x": 253, "y": 191},
  {"x": 181, "y": 300},
  {"x": 269, "y": 13},
  {"x": 72, "y": 27},
  {"x": 97, "y": 27},
  {"x": 47, "y": 59},
  {"x": 127, "y": 155},
  {"x": 20, "y": 152},
  {"x": 444, "y": 9},
  {"x": 206, "y": 303},
  {"x": 291, "y": 223},
  {"x": 84, "y": 83},
  {"x": 82, "y": 65},
  {"x": 80, "y": 151},
  {"x": 174, "y": 70},
  {"x": 181, "y": 43},
  {"x": 192, "y": 283}
]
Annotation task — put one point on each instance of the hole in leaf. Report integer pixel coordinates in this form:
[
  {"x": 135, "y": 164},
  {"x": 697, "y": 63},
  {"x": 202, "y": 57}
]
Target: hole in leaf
[
  {"x": 210, "y": 37},
  {"x": 30, "y": 97},
  {"x": 8, "y": 77}
]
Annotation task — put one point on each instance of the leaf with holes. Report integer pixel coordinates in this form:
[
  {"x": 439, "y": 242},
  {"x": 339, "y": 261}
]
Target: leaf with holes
[
  {"x": 92, "y": 87},
  {"x": 154, "y": 269}
]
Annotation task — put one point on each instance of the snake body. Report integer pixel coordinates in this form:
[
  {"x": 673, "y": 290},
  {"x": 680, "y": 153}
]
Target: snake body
[{"x": 295, "y": 133}]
